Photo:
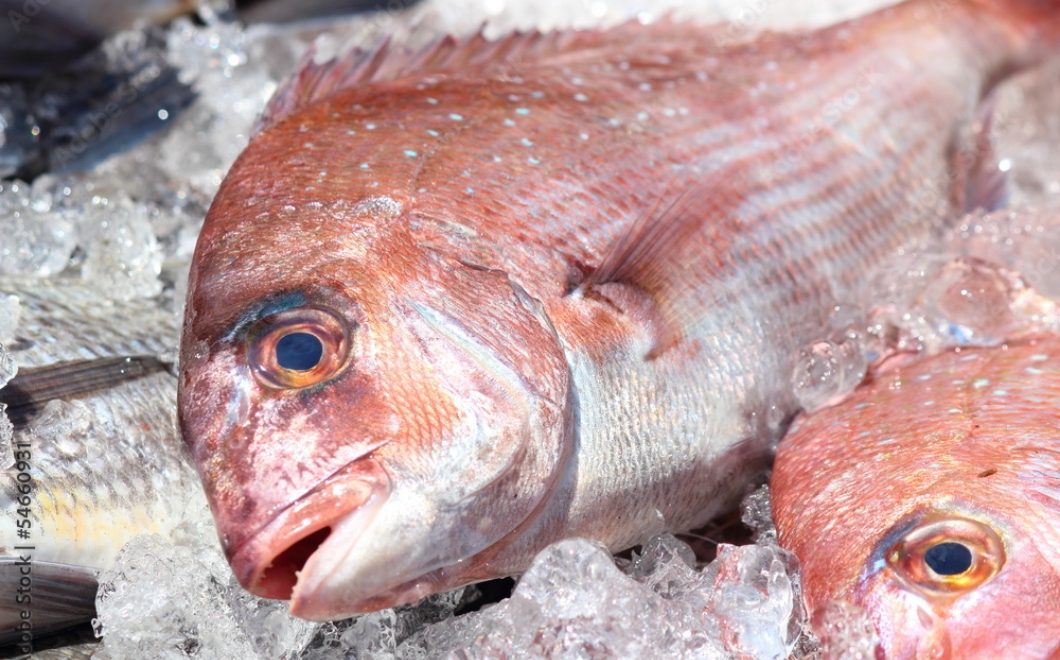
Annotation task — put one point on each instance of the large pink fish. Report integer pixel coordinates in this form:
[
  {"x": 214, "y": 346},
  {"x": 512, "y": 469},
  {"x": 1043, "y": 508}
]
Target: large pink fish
[
  {"x": 932, "y": 499},
  {"x": 449, "y": 308}
]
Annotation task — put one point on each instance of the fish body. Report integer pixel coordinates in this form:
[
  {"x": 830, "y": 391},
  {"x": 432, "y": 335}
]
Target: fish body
[
  {"x": 97, "y": 459},
  {"x": 447, "y": 309},
  {"x": 932, "y": 499}
]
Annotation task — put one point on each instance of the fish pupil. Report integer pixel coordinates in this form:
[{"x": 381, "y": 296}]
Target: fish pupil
[
  {"x": 949, "y": 558},
  {"x": 299, "y": 351}
]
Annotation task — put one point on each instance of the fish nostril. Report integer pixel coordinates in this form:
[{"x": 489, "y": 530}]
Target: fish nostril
[{"x": 279, "y": 578}]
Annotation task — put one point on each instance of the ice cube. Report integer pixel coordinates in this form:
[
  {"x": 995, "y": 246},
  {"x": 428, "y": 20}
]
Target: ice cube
[
  {"x": 758, "y": 515},
  {"x": 574, "y": 602},
  {"x": 10, "y": 313},
  {"x": 827, "y": 370},
  {"x": 8, "y": 369},
  {"x": 845, "y": 632},
  {"x": 123, "y": 256},
  {"x": 36, "y": 241},
  {"x": 973, "y": 301},
  {"x": 165, "y": 600}
]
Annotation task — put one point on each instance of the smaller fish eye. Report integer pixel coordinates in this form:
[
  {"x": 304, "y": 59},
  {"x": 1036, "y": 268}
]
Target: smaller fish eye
[
  {"x": 299, "y": 351},
  {"x": 949, "y": 558}
]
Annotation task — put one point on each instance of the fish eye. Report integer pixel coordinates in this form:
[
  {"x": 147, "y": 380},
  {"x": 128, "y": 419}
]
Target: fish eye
[
  {"x": 947, "y": 557},
  {"x": 297, "y": 348}
]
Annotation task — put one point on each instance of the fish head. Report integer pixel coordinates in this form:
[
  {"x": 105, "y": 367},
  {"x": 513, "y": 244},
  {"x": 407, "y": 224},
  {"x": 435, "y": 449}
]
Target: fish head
[
  {"x": 931, "y": 499},
  {"x": 373, "y": 419}
]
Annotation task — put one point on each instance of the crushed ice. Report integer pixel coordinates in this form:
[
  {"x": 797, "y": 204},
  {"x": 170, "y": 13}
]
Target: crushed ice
[{"x": 166, "y": 599}]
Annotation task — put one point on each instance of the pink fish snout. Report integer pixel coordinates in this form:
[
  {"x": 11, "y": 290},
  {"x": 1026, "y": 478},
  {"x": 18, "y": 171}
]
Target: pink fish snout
[{"x": 270, "y": 562}]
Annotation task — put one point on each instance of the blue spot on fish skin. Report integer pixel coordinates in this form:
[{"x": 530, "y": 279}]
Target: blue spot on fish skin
[
  {"x": 432, "y": 101},
  {"x": 410, "y": 153},
  {"x": 526, "y": 143},
  {"x": 954, "y": 410},
  {"x": 509, "y": 122},
  {"x": 982, "y": 382},
  {"x": 1032, "y": 370},
  {"x": 522, "y": 111},
  {"x": 370, "y": 127},
  {"x": 1039, "y": 358},
  {"x": 364, "y": 166},
  {"x": 1000, "y": 392},
  {"x": 538, "y": 95},
  {"x": 432, "y": 132},
  {"x": 928, "y": 403},
  {"x": 308, "y": 144},
  {"x": 533, "y": 161},
  {"x": 456, "y": 117},
  {"x": 580, "y": 97}
]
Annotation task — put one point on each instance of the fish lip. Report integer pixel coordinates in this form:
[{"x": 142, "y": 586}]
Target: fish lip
[
  {"x": 313, "y": 598},
  {"x": 334, "y": 499}
]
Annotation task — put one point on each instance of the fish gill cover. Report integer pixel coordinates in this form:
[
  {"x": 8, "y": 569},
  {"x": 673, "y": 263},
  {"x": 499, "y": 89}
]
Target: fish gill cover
[{"x": 127, "y": 229}]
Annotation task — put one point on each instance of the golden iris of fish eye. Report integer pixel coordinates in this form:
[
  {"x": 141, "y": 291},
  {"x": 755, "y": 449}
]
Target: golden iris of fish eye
[
  {"x": 263, "y": 337},
  {"x": 907, "y": 556}
]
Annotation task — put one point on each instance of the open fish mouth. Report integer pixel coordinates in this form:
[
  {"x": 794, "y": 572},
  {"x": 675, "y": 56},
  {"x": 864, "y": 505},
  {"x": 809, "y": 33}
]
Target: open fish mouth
[{"x": 332, "y": 517}]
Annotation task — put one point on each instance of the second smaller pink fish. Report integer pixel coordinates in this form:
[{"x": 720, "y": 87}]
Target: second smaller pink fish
[{"x": 931, "y": 498}]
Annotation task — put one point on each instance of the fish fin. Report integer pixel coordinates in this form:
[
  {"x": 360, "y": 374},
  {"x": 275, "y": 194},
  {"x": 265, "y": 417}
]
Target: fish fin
[
  {"x": 642, "y": 258},
  {"x": 63, "y": 596},
  {"x": 25, "y": 395},
  {"x": 386, "y": 61},
  {"x": 979, "y": 182}
]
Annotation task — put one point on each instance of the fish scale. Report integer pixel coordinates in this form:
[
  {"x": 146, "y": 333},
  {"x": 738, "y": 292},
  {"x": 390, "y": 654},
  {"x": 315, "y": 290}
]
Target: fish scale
[{"x": 435, "y": 225}]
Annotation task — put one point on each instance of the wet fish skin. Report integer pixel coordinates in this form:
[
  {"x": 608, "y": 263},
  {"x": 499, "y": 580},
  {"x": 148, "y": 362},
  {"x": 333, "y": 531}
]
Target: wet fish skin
[
  {"x": 105, "y": 461},
  {"x": 962, "y": 448},
  {"x": 543, "y": 314}
]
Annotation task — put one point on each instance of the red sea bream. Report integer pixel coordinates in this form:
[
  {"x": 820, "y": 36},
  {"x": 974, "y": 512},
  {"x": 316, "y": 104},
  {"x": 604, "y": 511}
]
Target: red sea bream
[
  {"x": 450, "y": 307},
  {"x": 931, "y": 498}
]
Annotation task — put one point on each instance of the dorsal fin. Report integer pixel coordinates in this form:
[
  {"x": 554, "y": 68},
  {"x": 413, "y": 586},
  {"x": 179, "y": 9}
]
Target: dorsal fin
[
  {"x": 385, "y": 61},
  {"x": 314, "y": 81}
]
